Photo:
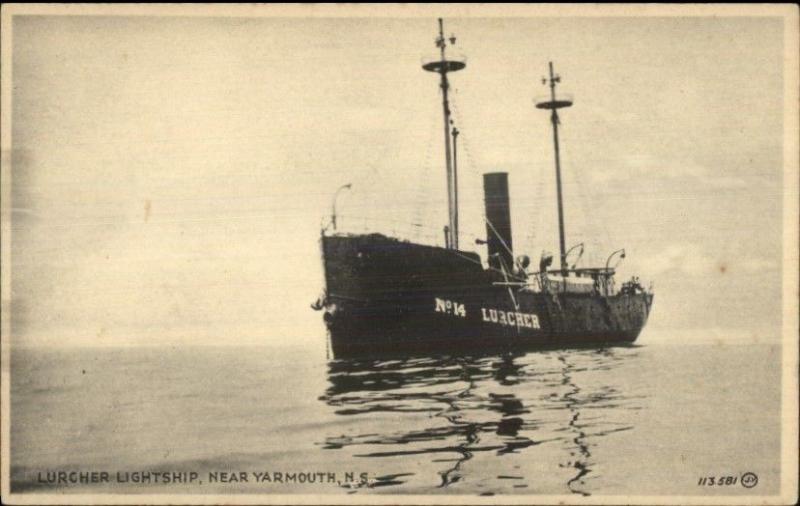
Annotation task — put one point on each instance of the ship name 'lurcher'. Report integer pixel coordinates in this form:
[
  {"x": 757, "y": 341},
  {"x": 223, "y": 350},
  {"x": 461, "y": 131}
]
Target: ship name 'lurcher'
[{"x": 506, "y": 318}]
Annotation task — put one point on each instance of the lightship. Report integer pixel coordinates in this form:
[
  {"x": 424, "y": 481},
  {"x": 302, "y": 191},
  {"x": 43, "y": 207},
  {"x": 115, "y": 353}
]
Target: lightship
[{"x": 387, "y": 295}]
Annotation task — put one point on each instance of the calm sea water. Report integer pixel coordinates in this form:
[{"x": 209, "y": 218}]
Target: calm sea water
[{"x": 651, "y": 419}]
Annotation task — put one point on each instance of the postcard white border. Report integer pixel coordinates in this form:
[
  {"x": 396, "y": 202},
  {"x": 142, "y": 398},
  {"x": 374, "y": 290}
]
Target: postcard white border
[{"x": 791, "y": 278}]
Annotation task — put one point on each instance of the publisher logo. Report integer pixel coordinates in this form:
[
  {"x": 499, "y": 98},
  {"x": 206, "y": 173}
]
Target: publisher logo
[{"x": 749, "y": 480}]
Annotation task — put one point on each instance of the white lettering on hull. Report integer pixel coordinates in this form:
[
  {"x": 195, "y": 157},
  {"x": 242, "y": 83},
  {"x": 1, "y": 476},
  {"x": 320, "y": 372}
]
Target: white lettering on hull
[
  {"x": 510, "y": 319},
  {"x": 450, "y": 307},
  {"x": 497, "y": 316}
]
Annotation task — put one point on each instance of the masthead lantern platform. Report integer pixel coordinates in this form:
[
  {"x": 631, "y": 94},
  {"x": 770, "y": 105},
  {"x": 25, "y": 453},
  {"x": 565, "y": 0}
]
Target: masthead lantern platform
[
  {"x": 444, "y": 65},
  {"x": 558, "y": 103}
]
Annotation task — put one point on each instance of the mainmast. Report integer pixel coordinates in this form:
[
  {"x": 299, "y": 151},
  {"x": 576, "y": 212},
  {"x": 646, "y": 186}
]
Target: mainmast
[
  {"x": 442, "y": 67},
  {"x": 554, "y": 104}
]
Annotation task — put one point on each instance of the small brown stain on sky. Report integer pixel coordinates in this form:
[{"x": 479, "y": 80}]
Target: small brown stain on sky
[
  {"x": 723, "y": 268},
  {"x": 147, "y": 206}
]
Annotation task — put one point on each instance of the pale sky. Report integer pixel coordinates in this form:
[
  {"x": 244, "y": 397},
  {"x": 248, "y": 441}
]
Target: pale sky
[{"x": 169, "y": 175}]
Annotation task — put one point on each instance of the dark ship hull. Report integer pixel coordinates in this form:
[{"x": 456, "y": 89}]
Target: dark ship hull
[{"x": 384, "y": 295}]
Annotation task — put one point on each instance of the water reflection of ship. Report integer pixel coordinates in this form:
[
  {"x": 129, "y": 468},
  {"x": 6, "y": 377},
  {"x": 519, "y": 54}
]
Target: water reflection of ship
[
  {"x": 577, "y": 401},
  {"x": 459, "y": 393}
]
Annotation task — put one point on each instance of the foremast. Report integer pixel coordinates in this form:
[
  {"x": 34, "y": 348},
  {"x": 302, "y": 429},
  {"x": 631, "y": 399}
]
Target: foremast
[{"x": 443, "y": 66}]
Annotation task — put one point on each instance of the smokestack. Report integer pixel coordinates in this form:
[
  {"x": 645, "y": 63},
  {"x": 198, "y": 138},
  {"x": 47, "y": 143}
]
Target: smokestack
[{"x": 498, "y": 219}]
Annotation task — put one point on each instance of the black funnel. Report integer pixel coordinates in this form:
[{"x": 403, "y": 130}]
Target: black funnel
[{"x": 498, "y": 220}]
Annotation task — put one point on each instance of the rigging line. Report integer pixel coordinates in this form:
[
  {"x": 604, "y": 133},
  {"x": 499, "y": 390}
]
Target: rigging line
[
  {"x": 546, "y": 193},
  {"x": 433, "y": 231},
  {"x": 594, "y": 222},
  {"x": 368, "y": 181},
  {"x": 510, "y": 292},
  {"x": 498, "y": 236},
  {"x": 471, "y": 165},
  {"x": 478, "y": 262},
  {"x": 470, "y": 259},
  {"x": 423, "y": 197},
  {"x": 465, "y": 142},
  {"x": 540, "y": 197}
]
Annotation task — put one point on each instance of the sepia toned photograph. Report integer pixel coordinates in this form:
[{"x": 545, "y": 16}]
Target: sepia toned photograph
[{"x": 398, "y": 254}]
